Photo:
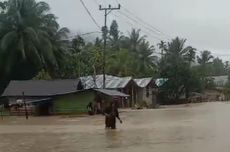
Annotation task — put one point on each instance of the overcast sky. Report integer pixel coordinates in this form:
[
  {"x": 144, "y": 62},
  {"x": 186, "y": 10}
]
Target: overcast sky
[{"x": 204, "y": 23}]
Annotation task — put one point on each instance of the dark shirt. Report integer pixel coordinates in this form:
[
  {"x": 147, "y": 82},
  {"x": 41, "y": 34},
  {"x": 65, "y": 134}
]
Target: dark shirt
[{"x": 111, "y": 111}]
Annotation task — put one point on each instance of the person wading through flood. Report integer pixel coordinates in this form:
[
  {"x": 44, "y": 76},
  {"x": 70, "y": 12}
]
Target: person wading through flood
[{"x": 111, "y": 113}]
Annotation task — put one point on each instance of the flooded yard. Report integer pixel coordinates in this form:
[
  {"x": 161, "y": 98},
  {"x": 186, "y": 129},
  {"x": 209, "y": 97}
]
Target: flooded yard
[{"x": 189, "y": 128}]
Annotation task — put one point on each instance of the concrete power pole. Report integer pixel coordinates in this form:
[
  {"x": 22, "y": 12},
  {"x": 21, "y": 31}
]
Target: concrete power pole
[{"x": 107, "y": 10}]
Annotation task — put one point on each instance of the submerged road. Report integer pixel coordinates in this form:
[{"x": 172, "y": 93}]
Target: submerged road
[{"x": 189, "y": 128}]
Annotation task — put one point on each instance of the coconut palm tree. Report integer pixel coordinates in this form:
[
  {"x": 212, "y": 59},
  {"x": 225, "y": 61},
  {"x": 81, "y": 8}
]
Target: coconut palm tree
[
  {"x": 204, "y": 61},
  {"x": 175, "y": 65},
  {"x": 133, "y": 41},
  {"x": 115, "y": 37},
  {"x": 191, "y": 55},
  {"x": 26, "y": 34},
  {"x": 146, "y": 61},
  {"x": 60, "y": 51},
  {"x": 162, "y": 46},
  {"x": 204, "y": 57}
]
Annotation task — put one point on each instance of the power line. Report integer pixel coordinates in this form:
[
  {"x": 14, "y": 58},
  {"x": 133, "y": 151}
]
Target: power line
[
  {"x": 154, "y": 28},
  {"x": 134, "y": 20},
  {"x": 146, "y": 32},
  {"x": 144, "y": 22},
  {"x": 88, "y": 33},
  {"x": 87, "y": 10},
  {"x": 149, "y": 29}
]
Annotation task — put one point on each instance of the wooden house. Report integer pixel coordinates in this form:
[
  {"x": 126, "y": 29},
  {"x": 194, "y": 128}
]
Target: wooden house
[
  {"x": 125, "y": 85},
  {"x": 52, "y": 97},
  {"x": 146, "y": 92}
]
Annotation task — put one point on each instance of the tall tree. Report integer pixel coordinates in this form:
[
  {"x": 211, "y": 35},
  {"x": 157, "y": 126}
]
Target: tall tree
[
  {"x": 191, "y": 55},
  {"x": 25, "y": 41},
  {"x": 146, "y": 61},
  {"x": 114, "y": 39},
  {"x": 204, "y": 60},
  {"x": 78, "y": 44},
  {"x": 175, "y": 65},
  {"x": 218, "y": 67},
  {"x": 60, "y": 49},
  {"x": 204, "y": 57},
  {"x": 133, "y": 41},
  {"x": 162, "y": 46}
]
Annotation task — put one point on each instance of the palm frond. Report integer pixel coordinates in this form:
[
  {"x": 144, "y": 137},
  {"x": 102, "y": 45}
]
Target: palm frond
[{"x": 8, "y": 39}]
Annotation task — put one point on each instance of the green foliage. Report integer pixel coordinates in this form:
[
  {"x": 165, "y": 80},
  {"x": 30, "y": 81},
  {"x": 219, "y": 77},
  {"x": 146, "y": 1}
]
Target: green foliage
[
  {"x": 82, "y": 59},
  {"x": 42, "y": 75},
  {"x": 29, "y": 39},
  {"x": 121, "y": 63},
  {"x": 210, "y": 66},
  {"x": 122, "y": 59},
  {"x": 176, "y": 66},
  {"x": 218, "y": 67}
]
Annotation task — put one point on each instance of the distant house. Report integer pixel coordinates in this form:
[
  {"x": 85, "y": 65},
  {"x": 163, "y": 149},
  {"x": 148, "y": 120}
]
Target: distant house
[
  {"x": 41, "y": 94},
  {"x": 123, "y": 84},
  {"x": 217, "y": 94},
  {"x": 53, "y": 97},
  {"x": 220, "y": 81},
  {"x": 147, "y": 91}
]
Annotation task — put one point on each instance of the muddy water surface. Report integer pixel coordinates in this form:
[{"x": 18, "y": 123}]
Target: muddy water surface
[{"x": 189, "y": 128}]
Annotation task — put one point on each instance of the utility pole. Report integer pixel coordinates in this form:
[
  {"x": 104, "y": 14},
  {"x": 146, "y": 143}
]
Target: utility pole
[{"x": 107, "y": 10}]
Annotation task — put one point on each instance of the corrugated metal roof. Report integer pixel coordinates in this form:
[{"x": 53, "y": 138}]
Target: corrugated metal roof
[
  {"x": 112, "y": 82},
  {"x": 160, "y": 81},
  {"x": 142, "y": 83},
  {"x": 42, "y": 87},
  {"x": 220, "y": 81},
  {"x": 112, "y": 92}
]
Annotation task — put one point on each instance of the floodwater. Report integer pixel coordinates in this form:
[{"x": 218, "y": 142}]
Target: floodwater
[{"x": 188, "y": 128}]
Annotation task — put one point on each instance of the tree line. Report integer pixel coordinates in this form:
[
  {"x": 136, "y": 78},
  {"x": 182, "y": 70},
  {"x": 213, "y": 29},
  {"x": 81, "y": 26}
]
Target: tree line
[{"x": 34, "y": 46}]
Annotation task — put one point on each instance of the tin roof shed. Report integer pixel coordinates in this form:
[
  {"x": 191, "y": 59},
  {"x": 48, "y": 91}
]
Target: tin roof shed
[{"x": 111, "y": 82}]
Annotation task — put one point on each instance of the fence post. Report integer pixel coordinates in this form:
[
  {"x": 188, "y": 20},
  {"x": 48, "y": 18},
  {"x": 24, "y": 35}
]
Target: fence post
[{"x": 24, "y": 101}]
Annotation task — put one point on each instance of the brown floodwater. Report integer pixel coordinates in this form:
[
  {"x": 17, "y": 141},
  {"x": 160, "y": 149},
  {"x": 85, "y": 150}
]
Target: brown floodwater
[{"x": 188, "y": 128}]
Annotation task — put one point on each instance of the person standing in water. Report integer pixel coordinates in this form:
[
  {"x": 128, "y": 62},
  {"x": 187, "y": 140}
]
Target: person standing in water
[{"x": 111, "y": 113}]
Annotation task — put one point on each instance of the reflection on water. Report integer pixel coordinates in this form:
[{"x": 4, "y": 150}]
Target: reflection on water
[{"x": 199, "y": 127}]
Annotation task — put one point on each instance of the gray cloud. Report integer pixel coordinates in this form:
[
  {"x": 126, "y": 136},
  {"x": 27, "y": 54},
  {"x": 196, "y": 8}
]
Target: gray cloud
[{"x": 204, "y": 23}]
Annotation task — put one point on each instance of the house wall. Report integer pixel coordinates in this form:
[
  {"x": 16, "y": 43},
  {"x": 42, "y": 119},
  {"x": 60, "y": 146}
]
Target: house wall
[
  {"x": 140, "y": 95},
  {"x": 131, "y": 90},
  {"x": 73, "y": 104},
  {"x": 143, "y": 97}
]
